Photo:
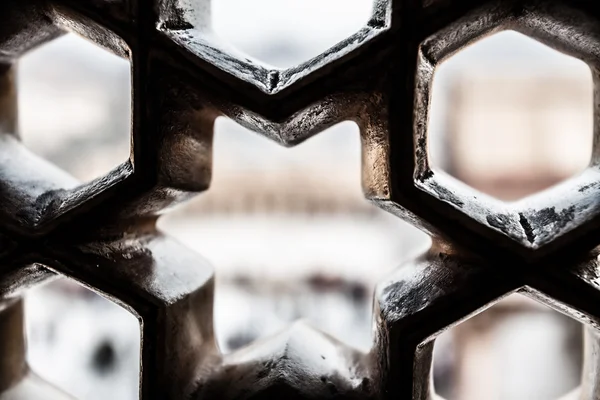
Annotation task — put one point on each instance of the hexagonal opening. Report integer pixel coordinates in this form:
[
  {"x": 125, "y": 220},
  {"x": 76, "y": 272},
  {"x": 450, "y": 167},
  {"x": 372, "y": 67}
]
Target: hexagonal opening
[
  {"x": 510, "y": 116},
  {"x": 75, "y": 106},
  {"x": 81, "y": 342},
  {"x": 290, "y": 235},
  {"x": 517, "y": 349},
  {"x": 269, "y": 46},
  {"x": 284, "y": 35}
]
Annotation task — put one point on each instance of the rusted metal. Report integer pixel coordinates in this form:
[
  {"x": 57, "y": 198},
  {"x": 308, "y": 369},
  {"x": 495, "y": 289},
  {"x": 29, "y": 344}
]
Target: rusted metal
[{"x": 102, "y": 233}]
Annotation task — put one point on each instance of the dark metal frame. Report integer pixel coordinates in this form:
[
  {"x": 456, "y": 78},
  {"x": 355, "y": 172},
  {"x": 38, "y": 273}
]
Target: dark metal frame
[{"x": 102, "y": 233}]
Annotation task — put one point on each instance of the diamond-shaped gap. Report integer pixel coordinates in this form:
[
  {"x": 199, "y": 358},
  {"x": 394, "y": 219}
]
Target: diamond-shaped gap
[
  {"x": 517, "y": 349},
  {"x": 291, "y": 235},
  {"x": 75, "y": 106},
  {"x": 510, "y": 116},
  {"x": 84, "y": 344},
  {"x": 268, "y": 43}
]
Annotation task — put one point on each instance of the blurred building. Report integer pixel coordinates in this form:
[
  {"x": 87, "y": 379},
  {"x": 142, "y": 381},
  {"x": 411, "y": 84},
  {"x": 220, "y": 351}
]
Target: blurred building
[{"x": 512, "y": 137}]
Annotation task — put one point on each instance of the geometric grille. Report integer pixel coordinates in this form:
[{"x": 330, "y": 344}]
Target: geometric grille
[{"x": 102, "y": 233}]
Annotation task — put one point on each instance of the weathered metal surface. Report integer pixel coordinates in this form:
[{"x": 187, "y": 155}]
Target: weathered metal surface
[{"x": 103, "y": 234}]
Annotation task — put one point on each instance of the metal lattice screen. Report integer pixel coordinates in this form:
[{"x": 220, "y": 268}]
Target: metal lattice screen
[{"x": 102, "y": 233}]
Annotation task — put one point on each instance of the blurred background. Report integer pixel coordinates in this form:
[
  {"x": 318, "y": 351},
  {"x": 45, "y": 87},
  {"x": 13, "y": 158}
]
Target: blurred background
[{"x": 288, "y": 230}]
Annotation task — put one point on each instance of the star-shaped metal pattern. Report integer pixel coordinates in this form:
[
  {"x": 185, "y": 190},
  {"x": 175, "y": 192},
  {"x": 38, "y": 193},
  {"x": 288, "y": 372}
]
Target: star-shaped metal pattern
[{"x": 103, "y": 233}]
